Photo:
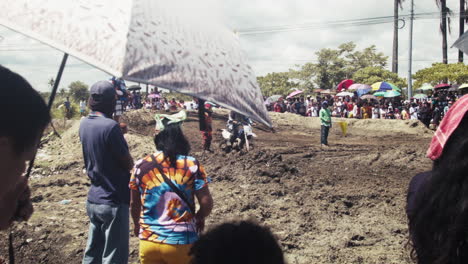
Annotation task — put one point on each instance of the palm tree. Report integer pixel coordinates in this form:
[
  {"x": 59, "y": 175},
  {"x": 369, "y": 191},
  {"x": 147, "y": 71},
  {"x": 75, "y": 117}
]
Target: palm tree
[
  {"x": 463, "y": 20},
  {"x": 444, "y": 21},
  {"x": 397, "y": 4},
  {"x": 51, "y": 82}
]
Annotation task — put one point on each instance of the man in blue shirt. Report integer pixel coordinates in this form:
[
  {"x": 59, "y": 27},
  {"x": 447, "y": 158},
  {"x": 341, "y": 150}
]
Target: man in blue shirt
[{"x": 108, "y": 164}]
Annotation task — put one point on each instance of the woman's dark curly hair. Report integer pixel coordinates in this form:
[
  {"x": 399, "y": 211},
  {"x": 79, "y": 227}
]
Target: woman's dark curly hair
[
  {"x": 439, "y": 225},
  {"x": 239, "y": 242},
  {"x": 172, "y": 142}
]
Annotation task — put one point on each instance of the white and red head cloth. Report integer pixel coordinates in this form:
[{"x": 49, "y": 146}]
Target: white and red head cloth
[{"x": 449, "y": 124}]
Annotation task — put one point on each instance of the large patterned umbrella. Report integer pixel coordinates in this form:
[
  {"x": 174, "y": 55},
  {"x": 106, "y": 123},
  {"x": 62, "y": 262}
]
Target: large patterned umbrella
[
  {"x": 360, "y": 88},
  {"x": 384, "y": 86},
  {"x": 147, "y": 41},
  {"x": 462, "y": 43}
]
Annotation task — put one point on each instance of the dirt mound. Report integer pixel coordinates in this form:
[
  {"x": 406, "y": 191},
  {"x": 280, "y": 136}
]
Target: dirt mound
[{"x": 343, "y": 204}]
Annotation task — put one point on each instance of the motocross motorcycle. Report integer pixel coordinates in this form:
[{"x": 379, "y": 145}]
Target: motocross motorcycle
[{"x": 237, "y": 136}]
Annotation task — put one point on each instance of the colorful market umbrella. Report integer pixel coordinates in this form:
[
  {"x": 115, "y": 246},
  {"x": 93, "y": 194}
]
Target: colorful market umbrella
[
  {"x": 296, "y": 92},
  {"x": 463, "y": 86},
  {"x": 369, "y": 97},
  {"x": 426, "y": 87},
  {"x": 442, "y": 86},
  {"x": 343, "y": 85},
  {"x": 379, "y": 94},
  {"x": 391, "y": 94},
  {"x": 360, "y": 88},
  {"x": 273, "y": 98},
  {"x": 134, "y": 88},
  {"x": 343, "y": 94},
  {"x": 147, "y": 41},
  {"x": 384, "y": 86},
  {"x": 420, "y": 96}
]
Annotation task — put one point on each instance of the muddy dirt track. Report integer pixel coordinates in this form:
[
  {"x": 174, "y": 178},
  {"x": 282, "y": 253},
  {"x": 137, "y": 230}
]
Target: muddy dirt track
[{"x": 344, "y": 204}]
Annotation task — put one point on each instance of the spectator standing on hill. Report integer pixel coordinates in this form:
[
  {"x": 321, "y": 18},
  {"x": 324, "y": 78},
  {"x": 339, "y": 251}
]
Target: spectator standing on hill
[
  {"x": 18, "y": 143},
  {"x": 82, "y": 108},
  {"x": 108, "y": 163},
  {"x": 325, "y": 119},
  {"x": 207, "y": 133}
]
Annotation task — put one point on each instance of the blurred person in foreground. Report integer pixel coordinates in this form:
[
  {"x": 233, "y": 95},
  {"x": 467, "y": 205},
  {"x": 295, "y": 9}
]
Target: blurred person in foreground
[
  {"x": 238, "y": 242},
  {"x": 23, "y": 118},
  {"x": 164, "y": 186},
  {"x": 108, "y": 163},
  {"x": 437, "y": 202}
]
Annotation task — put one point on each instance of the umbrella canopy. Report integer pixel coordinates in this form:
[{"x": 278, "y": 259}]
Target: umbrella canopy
[
  {"x": 384, "y": 86},
  {"x": 426, "y": 87},
  {"x": 391, "y": 93},
  {"x": 369, "y": 97},
  {"x": 462, "y": 43},
  {"x": 296, "y": 92},
  {"x": 147, "y": 41},
  {"x": 326, "y": 91},
  {"x": 379, "y": 93},
  {"x": 154, "y": 96},
  {"x": 442, "y": 86},
  {"x": 360, "y": 88},
  {"x": 463, "y": 86},
  {"x": 273, "y": 98},
  {"x": 342, "y": 94},
  {"x": 453, "y": 88},
  {"x": 343, "y": 85},
  {"x": 420, "y": 96},
  {"x": 134, "y": 88}
]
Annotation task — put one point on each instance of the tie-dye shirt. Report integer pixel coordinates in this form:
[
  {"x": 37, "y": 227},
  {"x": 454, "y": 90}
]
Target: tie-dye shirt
[{"x": 165, "y": 218}]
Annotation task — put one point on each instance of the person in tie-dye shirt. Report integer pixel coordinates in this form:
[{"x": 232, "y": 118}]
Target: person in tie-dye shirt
[{"x": 165, "y": 224}]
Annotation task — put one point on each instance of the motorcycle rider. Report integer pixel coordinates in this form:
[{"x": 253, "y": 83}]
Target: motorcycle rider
[{"x": 235, "y": 124}]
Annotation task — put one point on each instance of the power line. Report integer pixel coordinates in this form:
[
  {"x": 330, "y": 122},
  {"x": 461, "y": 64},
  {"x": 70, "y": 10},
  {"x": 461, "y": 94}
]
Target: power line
[{"x": 340, "y": 23}]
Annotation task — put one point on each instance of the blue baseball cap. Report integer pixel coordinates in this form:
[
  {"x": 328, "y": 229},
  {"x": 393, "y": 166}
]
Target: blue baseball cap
[{"x": 102, "y": 91}]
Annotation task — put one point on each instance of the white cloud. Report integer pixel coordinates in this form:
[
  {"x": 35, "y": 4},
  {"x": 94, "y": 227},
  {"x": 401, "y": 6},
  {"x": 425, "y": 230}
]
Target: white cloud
[{"x": 267, "y": 52}]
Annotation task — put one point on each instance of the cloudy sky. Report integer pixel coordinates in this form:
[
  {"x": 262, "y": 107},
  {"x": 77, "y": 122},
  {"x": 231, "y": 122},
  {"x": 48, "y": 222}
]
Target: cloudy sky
[{"x": 274, "y": 51}]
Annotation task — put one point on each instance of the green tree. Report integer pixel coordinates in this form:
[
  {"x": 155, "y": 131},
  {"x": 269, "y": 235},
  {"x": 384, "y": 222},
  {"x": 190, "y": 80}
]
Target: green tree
[
  {"x": 51, "y": 82},
  {"x": 440, "y": 72},
  {"x": 78, "y": 91},
  {"x": 276, "y": 83},
  {"x": 370, "y": 75},
  {"x": 62, "y": 92},
  {"x": 335, "y": 65}
]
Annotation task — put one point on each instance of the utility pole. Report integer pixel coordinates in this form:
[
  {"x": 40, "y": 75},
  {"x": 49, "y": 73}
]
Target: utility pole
[{"x": 410, "y": 57}]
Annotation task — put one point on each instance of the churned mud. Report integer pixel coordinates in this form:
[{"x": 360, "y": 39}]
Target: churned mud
[{"x": 344, "y": 204}]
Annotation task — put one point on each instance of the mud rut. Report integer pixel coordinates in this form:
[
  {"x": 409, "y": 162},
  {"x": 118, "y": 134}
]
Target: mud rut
[{"x": 340, "y": 205}]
